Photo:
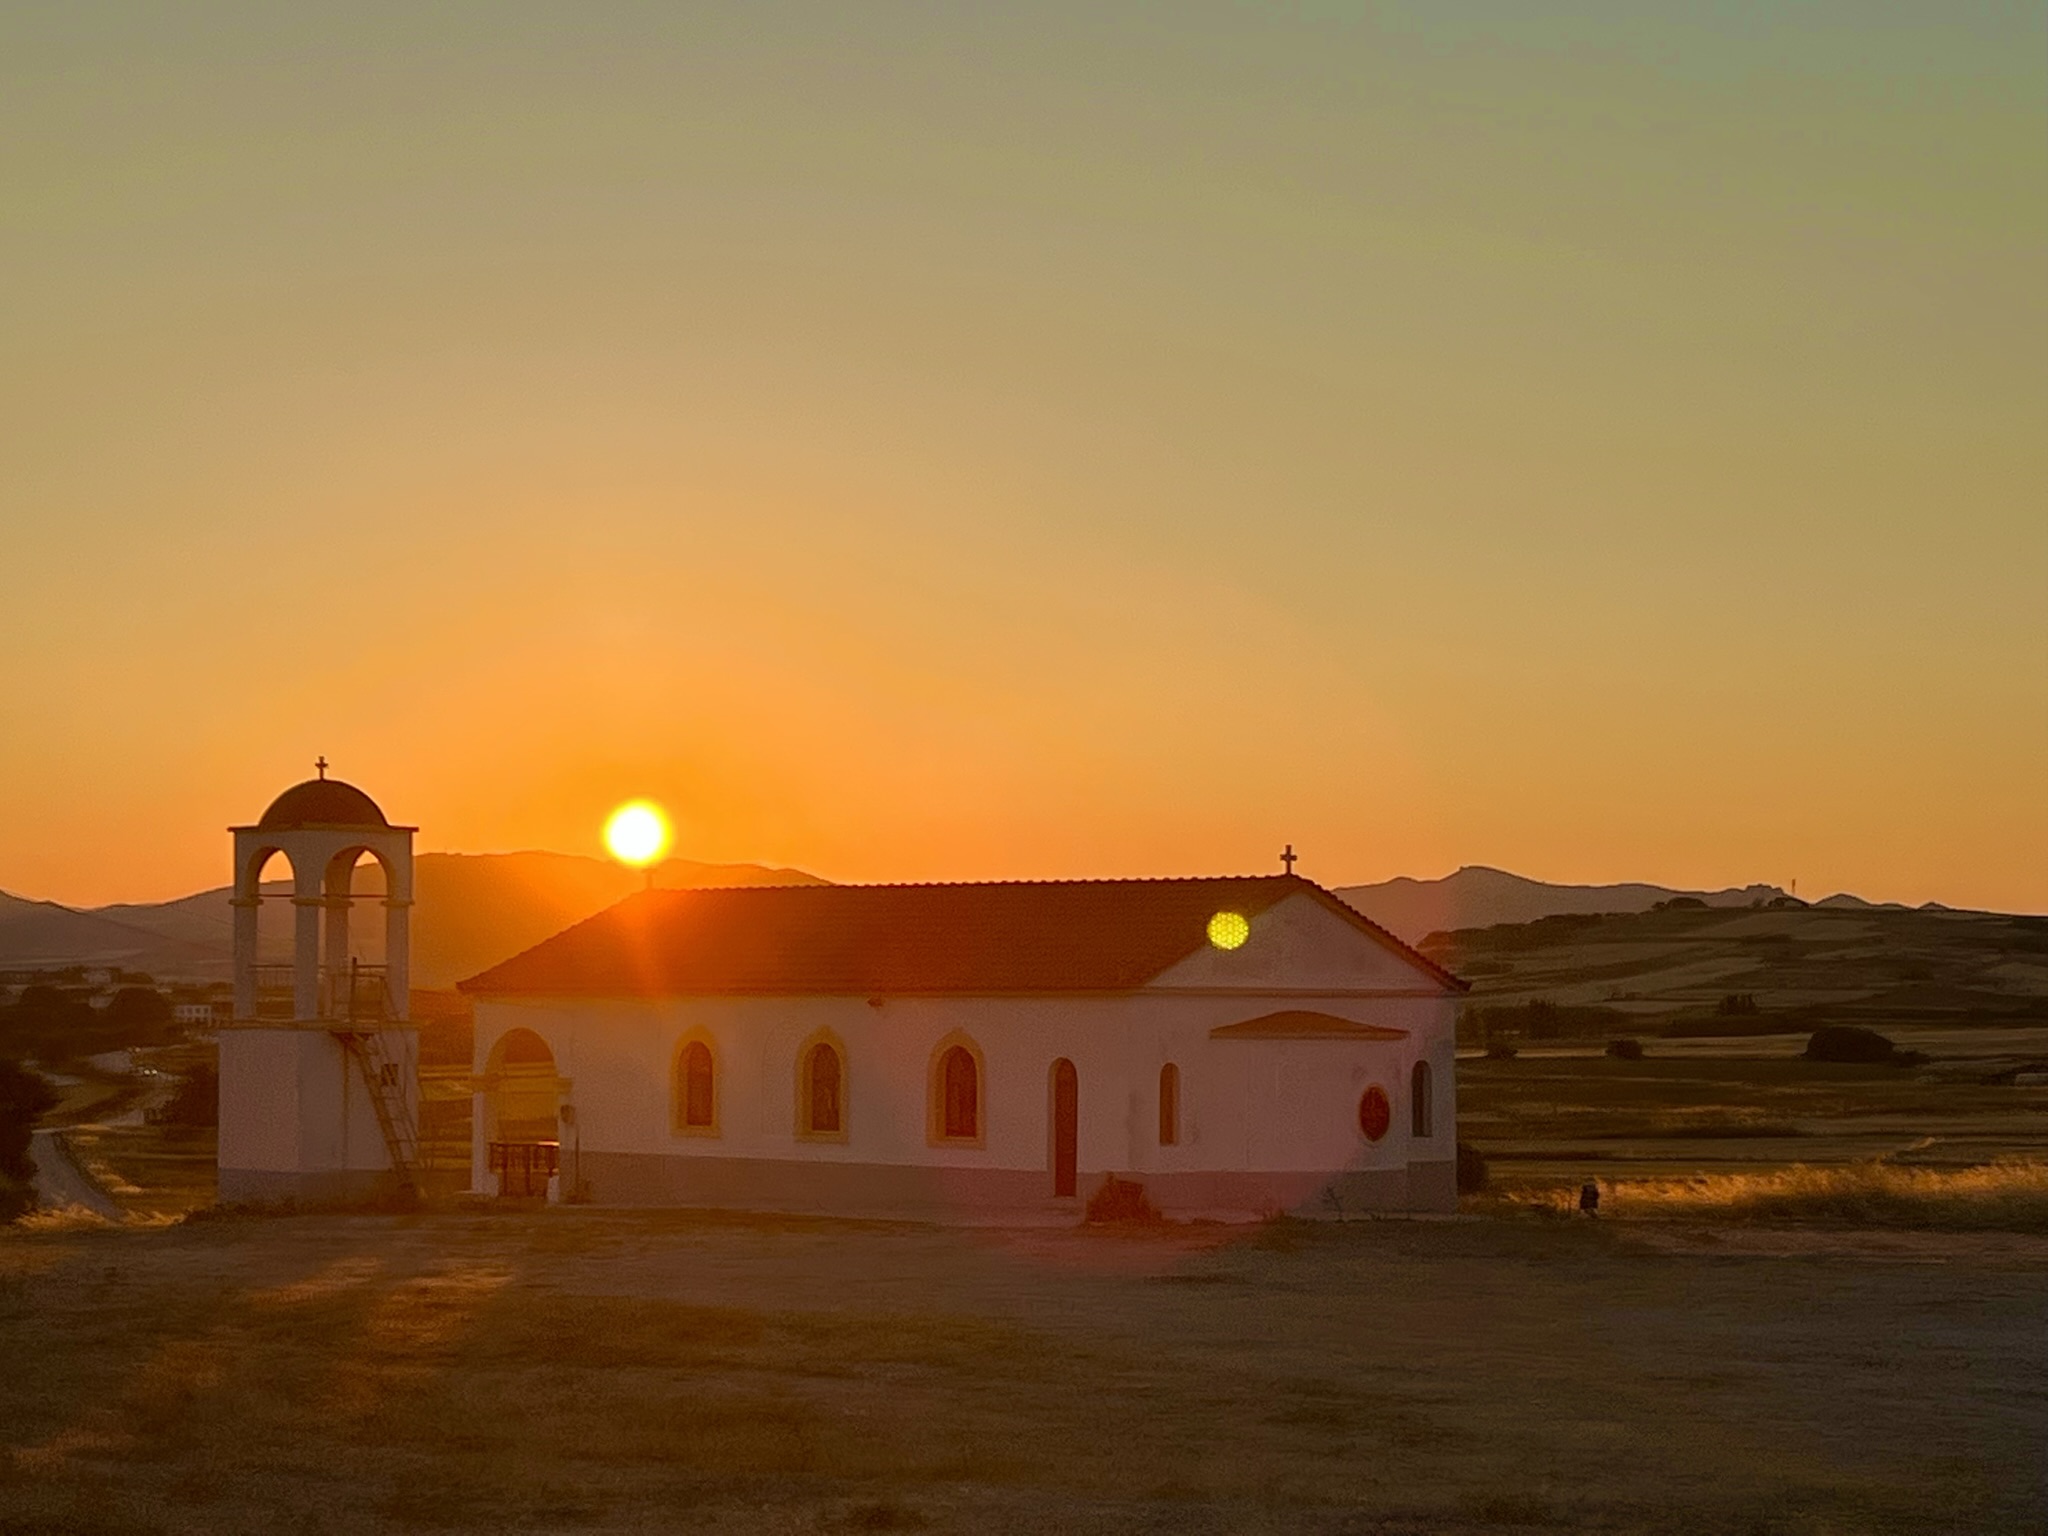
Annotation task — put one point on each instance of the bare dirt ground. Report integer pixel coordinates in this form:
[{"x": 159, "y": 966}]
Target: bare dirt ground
[{"x": 585, "y": 1370}]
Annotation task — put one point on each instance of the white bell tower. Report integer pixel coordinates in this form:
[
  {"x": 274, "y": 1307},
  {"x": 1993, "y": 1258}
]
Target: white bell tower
[{"x": 319, "y": 1073}]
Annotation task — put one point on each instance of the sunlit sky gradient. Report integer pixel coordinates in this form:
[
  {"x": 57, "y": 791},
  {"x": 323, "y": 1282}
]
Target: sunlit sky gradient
[{"x": 966, "y": 442}]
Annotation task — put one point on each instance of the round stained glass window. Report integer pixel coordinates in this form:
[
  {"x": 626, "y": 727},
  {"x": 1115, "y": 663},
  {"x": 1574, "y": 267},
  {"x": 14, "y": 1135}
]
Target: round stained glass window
[{"x": 1375, "y": 1114}]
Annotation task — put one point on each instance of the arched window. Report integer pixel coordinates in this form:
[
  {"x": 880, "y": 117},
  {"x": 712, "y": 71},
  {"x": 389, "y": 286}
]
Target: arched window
[
  {"x": 1421, "y": 1110},
  {"x": 696, "y": 1089},
  {"x": 1169, "y": 1105},
  {"x": 823, "y": 1084},
  {"x": 962, "y": 1091},
  {"x": 956, "y": 1098}
]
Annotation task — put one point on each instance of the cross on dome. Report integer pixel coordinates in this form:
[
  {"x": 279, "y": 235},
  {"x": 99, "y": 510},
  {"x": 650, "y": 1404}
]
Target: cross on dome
[
  {"x": 320, "y": 763},
  {"x": 1287, "y": 858}
]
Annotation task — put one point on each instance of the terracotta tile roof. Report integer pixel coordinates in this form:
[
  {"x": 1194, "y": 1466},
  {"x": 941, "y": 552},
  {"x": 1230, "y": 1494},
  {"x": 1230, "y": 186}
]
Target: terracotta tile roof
[{"x": 855, "y": 940}]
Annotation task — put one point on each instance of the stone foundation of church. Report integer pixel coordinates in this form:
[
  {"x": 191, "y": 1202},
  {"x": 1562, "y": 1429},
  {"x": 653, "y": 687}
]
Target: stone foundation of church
[
  {"x": 268, "y": 1186},
  {"x": 885, "y": 1191}
]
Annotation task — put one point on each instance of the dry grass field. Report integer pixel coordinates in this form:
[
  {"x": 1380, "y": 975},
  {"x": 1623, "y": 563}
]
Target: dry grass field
[
  {"x": 1721, "y": 1118},
  {"x": 583, "y": 1370},
  {"x": 1559, "y": 1116}
]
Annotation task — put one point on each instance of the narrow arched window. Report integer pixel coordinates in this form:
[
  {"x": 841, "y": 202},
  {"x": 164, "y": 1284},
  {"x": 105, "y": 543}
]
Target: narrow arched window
[
  {"x": 1169, "y": 1105},
  {"x": 822, "y": 1079},
  {"x": 696, "y": 1087},
  {"x": 960, "y": 1089},
  {"x": 1422, "y": 1112}
]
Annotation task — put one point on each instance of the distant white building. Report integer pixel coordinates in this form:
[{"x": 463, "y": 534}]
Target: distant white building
[{"x": 1235, "y": 1046}]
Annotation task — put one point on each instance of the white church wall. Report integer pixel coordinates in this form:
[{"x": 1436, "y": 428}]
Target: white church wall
[
  {"x": 259, "y": 1100},
  {"x": 297, "y": 1118},
  {"x": 1250, "y": 1107}
]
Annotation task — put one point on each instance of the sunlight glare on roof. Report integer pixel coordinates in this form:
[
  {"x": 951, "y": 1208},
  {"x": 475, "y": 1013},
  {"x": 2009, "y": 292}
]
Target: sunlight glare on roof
[
  {"x": 1227, "y": 930},
  {"x": 637, "y": 833}
]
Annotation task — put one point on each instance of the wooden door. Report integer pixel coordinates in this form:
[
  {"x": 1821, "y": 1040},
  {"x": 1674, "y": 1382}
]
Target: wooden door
[{"x": 1066, "y": 1125}]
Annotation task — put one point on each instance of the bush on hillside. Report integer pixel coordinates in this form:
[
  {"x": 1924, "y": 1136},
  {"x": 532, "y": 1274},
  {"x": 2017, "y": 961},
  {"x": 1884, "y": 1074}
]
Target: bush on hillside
[
  {"x": 1625, "y": 1049},
  {"x": 1542, "y": 1019},
  {"x": 23, "y": 1099},
  {"x": 1847, "y": 1043},
  {"x": 1713, "y": 1026},
  {"x": 195, "y": 1103},
  {"x": 54, "y": 1023},
  {"x": 48, "y": 1023},
  {"x": 141, "y": 1015},
  {"x": 1501, "y": 1050}
]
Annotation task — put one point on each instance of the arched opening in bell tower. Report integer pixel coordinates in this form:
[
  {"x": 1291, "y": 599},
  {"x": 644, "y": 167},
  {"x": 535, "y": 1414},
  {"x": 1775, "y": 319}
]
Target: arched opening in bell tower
[
  {"x": 334, "y": 969},
  {"x": 263, "y": 897},
  {"x": 355, "y": 981}
]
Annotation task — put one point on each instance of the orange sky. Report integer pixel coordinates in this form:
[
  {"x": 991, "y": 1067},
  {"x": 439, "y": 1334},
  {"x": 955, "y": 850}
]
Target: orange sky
[{"x": 1606, "y": 446}]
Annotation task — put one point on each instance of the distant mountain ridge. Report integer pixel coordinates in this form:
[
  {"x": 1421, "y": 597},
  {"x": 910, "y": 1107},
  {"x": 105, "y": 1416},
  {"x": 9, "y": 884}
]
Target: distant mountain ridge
[
  {"x": 471, "y": 911},
  {"x": 474, "y": 910},
  {"x": 1477, "y": 896}
]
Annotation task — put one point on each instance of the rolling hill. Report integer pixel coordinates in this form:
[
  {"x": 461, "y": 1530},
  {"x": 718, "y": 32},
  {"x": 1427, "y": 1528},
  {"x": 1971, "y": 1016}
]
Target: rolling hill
[
  {"x": 1479, "y": 897},
  {"x": 471, "y": 911},
  {"x": 1712, "y": 970}
]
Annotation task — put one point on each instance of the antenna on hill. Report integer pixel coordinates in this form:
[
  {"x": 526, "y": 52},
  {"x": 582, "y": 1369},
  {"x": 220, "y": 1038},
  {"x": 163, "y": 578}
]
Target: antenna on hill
[{"x": 1287, "y": 858}]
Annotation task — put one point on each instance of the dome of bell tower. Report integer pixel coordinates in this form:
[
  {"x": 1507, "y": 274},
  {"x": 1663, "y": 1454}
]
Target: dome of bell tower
[{"x": 322, "y": 802}]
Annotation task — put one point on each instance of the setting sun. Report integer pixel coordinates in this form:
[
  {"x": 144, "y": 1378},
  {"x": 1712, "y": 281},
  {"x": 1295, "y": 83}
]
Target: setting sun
[
  {"x": 638, "y": 833},
  {"x": 1229, "y": 930}
]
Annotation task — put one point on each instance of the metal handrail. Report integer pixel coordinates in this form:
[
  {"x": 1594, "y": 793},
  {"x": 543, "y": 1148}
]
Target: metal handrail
[{"x": 360, "y": 994}]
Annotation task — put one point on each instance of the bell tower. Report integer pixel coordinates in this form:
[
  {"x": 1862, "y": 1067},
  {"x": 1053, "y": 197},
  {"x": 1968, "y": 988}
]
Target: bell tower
[{"x": 319, "y": 1072}]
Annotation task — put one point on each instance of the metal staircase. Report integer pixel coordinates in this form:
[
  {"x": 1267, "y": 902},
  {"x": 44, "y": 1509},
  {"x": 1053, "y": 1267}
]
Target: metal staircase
[
  {"x": 366, "y": 1006},
  {"x": 384, "y": 1071}
]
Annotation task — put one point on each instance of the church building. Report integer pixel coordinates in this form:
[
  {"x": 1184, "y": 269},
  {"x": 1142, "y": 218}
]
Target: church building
[{"x": 1234, "y": 1046}]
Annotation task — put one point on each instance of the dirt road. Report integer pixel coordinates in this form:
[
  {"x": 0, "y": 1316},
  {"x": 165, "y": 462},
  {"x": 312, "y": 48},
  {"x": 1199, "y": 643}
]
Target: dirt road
[{"x": 61, "y": 1182}]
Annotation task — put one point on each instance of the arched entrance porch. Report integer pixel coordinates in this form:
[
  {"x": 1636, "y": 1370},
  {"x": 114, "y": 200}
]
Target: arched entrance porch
[{"x": 520, "y": 1115}]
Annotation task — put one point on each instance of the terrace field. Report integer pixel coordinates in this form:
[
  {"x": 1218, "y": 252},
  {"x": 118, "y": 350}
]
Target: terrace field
[{"x": 1678, "y": 967}]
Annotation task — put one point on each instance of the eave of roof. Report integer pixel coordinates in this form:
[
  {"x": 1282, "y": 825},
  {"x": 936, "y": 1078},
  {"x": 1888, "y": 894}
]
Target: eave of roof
[
  {"x": 1304, "y": 1024},
  {"x": 988, "y": 938},
  {"x": 327, "y": 826}
]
